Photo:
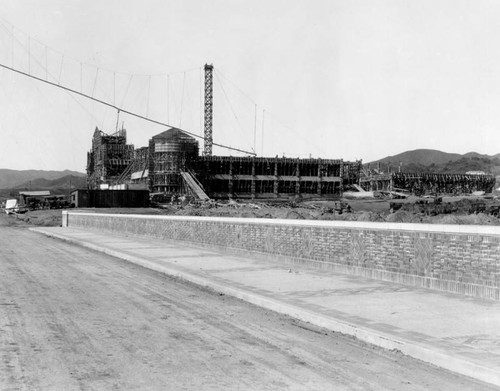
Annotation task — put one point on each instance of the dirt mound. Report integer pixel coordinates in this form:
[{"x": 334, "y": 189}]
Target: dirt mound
[
  {"x": 368, "y": 216},
  {"x": 472, "y": 219},
  {"x": 294, "y": 215},
  {"x": 471, "y": 211},
  {"x": 402, "y": 216}
]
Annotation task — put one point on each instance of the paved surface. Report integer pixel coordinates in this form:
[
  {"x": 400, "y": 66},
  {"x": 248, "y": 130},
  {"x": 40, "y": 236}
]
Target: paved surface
[
  {"x": 75, "y": 319},
  {"x": 454, "y": 332}
]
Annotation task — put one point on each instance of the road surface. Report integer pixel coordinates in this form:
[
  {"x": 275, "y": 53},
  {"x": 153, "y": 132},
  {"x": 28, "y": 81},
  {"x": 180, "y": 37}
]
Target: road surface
[{"x": 73, "y": 319}]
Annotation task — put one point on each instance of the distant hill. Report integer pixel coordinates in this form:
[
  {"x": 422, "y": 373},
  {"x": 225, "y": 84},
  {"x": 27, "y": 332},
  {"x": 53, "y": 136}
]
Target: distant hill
[
  {"x": 14, "y": 178},
  {"x": 59, "y": 185},
  {"x": 424, "y": 157},
  {"x": 430, "y": 160}
]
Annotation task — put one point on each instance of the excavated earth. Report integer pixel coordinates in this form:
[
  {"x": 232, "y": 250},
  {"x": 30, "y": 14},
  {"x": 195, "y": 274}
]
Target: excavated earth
[{"x": 452, "y": 210}]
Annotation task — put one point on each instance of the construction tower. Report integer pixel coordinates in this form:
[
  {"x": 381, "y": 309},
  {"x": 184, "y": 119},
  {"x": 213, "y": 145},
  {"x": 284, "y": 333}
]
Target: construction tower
[{"x": 207, "y": 151}]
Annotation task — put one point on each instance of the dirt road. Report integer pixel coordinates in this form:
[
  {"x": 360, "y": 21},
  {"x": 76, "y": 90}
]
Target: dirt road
[{"x": 72, "y": 319}]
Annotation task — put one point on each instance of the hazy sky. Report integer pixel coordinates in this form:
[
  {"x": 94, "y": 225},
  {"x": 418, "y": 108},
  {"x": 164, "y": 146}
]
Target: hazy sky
[{"x": 333, "y": 79}]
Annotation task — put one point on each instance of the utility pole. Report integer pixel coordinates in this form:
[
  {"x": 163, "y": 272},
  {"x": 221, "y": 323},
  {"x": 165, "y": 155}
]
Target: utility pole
[{"x": 207, "y": 151}]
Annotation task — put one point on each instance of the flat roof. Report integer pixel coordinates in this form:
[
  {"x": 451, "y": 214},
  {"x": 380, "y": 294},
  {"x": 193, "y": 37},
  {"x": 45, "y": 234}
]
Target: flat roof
[{"x": 35, "y": 193}]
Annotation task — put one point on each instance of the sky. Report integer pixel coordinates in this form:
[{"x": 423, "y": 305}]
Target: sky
[{"x": 356, "y": 79}]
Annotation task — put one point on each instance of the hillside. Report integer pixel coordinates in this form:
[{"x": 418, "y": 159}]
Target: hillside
[
  {"x": 424, "y": 157},
  {"x": 430, "y": 160},
  {"x": 59, "y": 185},
  {"x": 56, "y": 186},
  {"x": 14, "y": 178}
]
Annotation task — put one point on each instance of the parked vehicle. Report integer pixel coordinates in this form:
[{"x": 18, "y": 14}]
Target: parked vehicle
[{"x": 11, "y": 206}]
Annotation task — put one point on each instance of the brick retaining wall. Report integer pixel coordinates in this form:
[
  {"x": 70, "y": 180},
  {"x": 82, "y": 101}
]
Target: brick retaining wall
[{"x": 453, "y": 258}]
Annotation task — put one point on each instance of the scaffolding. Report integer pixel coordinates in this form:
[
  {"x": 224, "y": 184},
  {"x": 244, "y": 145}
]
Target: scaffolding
[
  {"x": 449, "y": 184},
  {"x": 171, "y": 164},
  {"x": 273, "y": 178},
  {"x": 169, "y": 154},
  {"x": 108, "y": 159}
]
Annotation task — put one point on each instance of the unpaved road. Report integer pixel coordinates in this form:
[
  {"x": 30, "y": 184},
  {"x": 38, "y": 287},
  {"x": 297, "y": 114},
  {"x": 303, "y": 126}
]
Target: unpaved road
[{"x": 72, "y": 319}]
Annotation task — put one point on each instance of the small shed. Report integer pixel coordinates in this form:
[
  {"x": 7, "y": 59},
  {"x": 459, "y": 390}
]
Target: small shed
[{"x": 33, "y": 198}]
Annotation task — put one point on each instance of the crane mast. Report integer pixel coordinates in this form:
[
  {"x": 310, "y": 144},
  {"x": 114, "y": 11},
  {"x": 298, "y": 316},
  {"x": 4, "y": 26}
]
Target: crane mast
[{"x": 207, "y": 151}]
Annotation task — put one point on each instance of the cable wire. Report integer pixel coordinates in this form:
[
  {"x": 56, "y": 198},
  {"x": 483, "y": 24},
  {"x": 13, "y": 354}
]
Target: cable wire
[
  {"x": 117, "y": 108},
  {"x": 230, "y": 105}
]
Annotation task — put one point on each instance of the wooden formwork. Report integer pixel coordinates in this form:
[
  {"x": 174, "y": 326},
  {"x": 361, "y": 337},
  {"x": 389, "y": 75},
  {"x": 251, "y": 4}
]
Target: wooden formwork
[
  {"x": 252, "y": 177},
  {"x": 109, "y": 158}
]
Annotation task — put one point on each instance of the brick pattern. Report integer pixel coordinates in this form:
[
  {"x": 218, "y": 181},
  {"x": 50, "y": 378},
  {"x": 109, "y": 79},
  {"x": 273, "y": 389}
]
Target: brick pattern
[{"x": 461, "y": 263}]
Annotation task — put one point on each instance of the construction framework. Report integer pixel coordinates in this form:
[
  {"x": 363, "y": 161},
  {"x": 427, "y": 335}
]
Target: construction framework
[
  {"x": 452, "y": 184},
  {"x": 207, "y": 151},
  {"x": 427, "y": 183},
  {"x": 171, "y": 164},
  {"x": 274, "y": 178},
  {"x": 109, "y": 158}
]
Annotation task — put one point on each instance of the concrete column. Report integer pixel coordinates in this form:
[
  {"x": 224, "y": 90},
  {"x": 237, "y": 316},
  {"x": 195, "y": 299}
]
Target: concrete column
[
  {"x": 230, "y": 186},
  {"x": 320, "y": 166},
  {"x": 65, "y": 218},
  {"x": 276, "y": 178},
  {"x": 151, "y": 166},
  {"x": 341, "y": 189},
  {"x": 297, "y": 184},
  {"x": 253, "y": 179}
]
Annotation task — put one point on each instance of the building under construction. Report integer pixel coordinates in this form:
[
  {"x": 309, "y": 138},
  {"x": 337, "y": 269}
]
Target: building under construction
[
  {"x": 171, "y": 164},
  {"x": 426, "y": 183},
  {"x": 108, "y": 159},
  {"x": 268, "y": 178}
]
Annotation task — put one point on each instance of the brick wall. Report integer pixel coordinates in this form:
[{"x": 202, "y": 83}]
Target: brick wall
[{"x": 454, "y": 258}]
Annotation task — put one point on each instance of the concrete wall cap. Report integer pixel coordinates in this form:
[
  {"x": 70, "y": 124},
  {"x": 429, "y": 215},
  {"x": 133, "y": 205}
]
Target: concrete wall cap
[{"x": 359, "y": 225}]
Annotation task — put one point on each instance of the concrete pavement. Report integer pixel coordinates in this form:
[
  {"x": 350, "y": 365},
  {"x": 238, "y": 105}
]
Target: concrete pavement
[{"x": 459, "y": 333}]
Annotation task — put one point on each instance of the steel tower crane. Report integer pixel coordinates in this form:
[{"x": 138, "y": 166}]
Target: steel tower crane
[{"x": 207, "y": 151}]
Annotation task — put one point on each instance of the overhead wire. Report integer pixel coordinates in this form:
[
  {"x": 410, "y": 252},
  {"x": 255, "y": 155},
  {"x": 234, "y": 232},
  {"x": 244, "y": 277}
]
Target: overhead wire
[
  {"x": 149, "y": 95},
  {"x": 116, "y": 107},
  {"x": 230, "y": 105},
  {"x": 126, "y": 90},
  {"x": 72, "y": 91},
  {"x": 182, "y": 99},
  {"x": 269, "y": 114},
  {"x": 12, "y": 44},
  {"x": 236, "y": 86},
  {"x": 89, "y": 64},
  {"x": 295, "y": 132},
  {"x": 29, "y": 54},
  {"x": 201, "y": 101},
  {"x": 190, "y": 110},
  {"x": 95, "y": 80},
  {"x": 46, "y": 69},
  {"x": 65, "y": 57},
  {"x": 168, "y": 98},
  {"x": 61, "y": 68}
]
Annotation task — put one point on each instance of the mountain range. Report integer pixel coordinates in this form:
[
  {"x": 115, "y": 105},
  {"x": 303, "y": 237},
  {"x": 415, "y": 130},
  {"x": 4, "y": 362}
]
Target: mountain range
[
  {"x": 57, "y": 182},
  {"x": 430, "y": 160},
  {"x": 14, "y": 179}
]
